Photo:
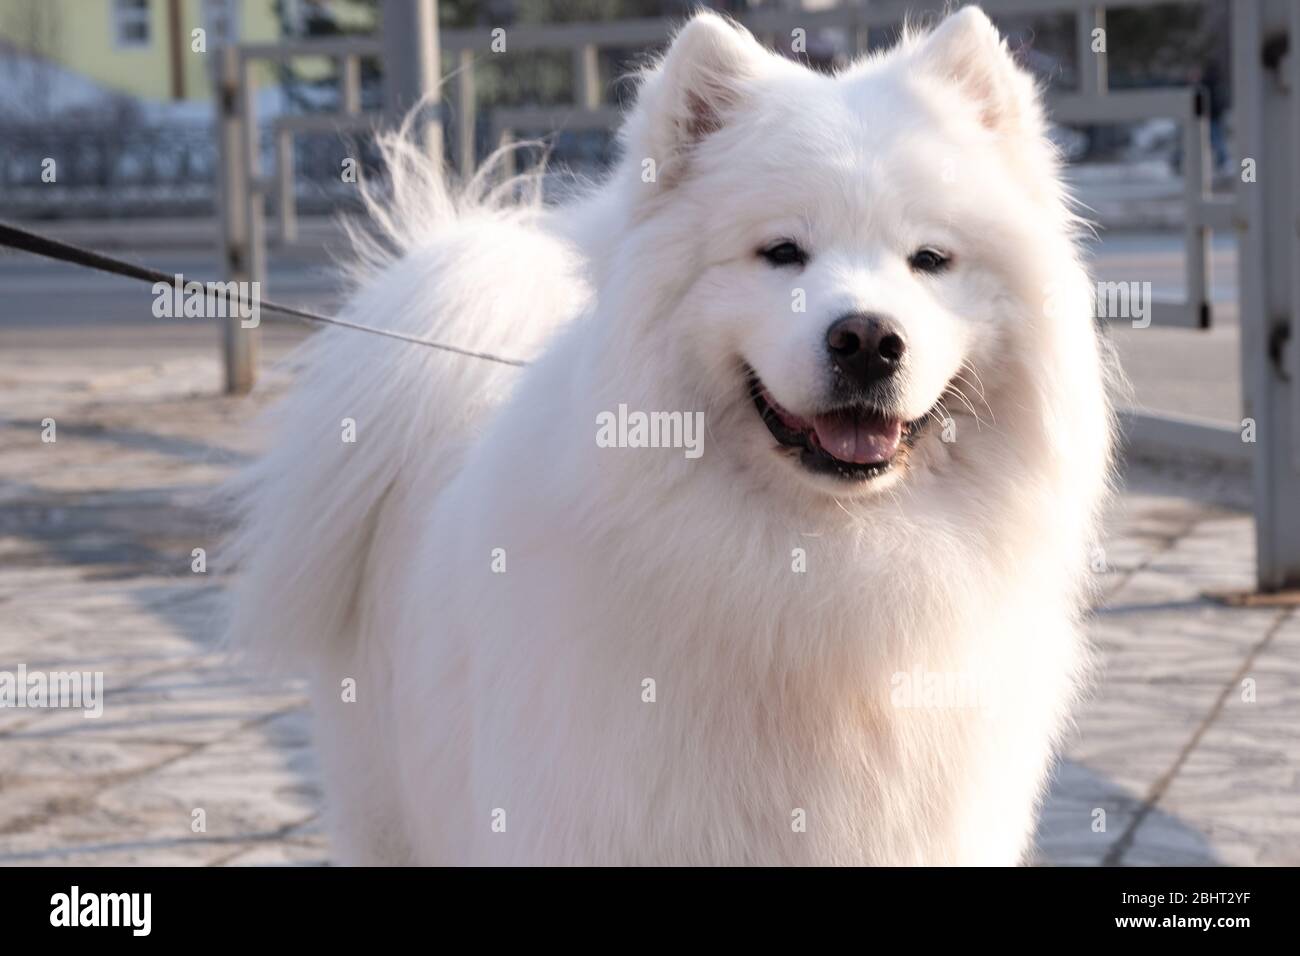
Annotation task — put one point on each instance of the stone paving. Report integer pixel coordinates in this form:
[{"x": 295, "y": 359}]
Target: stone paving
[
  {"x": 96, "y": 535},
  {"x": 95, "y": 574}
]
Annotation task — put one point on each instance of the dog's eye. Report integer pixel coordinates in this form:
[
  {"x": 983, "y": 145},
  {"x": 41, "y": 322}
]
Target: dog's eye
[
  {"x": 784, "y": 253},
  {"x": 929, "y": 259}
]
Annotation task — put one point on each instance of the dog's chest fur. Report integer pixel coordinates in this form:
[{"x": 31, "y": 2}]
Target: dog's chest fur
[{"x": 776, "y": 716}]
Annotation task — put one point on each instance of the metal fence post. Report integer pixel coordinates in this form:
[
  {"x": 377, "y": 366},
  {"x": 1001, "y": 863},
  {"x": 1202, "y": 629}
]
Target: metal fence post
[
  {"x": 284, "y": 180},
  {"x": 509, "y": 156},
  {"x": 1198, "y": 163},
  {"x": 412, "y": 69},
  {"x": 1268, "y": 261},
  {"x": 466, "y": 115},
  {"x": 350, "y": 85},
  {"x": 1094, "y": 74},
  {"x": 239, "y": 344},
  {"x": 586, "y": 77}
]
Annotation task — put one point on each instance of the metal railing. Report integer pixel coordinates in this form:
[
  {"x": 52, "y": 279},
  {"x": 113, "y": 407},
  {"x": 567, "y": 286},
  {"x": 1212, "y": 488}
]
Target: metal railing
[{"x": 1093, "y": 103}]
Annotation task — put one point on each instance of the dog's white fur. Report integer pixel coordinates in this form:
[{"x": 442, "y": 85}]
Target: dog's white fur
[{"x": 780, "y": 730}]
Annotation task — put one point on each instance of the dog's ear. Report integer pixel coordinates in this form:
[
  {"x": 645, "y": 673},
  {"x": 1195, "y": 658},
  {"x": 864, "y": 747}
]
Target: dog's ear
[
  {"x": 966, "y": 49},
  {"x": 693, "y": 91}
]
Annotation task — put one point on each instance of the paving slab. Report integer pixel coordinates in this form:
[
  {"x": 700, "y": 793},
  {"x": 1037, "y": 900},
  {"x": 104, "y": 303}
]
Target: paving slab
[{"x": 1187, "y": 742}]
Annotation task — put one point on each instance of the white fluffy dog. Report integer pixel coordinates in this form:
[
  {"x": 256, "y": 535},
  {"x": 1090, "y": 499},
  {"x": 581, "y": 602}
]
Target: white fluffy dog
[{"x": 839, "y": 626}]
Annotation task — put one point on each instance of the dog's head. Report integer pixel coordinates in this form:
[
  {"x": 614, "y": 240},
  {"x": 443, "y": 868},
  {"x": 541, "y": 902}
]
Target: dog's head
[{"x": 846, "y": 255}]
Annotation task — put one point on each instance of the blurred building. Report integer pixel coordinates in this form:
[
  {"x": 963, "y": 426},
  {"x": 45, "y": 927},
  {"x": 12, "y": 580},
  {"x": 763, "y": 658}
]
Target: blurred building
[{"x": 146, "y": 48}]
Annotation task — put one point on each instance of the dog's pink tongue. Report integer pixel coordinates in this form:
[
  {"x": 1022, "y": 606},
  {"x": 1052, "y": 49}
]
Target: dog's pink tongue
[{"x": 858, "y": 438}]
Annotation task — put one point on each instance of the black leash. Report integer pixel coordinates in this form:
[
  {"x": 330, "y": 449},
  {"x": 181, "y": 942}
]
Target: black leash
[{"x": 27, "y": 241}]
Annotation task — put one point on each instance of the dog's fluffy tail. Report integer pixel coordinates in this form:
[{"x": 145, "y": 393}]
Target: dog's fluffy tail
[{"x": 368, "y": 416}]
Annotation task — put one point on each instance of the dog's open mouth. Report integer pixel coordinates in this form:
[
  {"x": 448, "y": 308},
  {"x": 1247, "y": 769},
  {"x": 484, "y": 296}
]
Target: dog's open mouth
[{"x": 855, "y": 442}]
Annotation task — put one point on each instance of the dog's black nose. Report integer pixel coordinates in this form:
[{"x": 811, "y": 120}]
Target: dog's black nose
[{"x": 866, "y": 348}]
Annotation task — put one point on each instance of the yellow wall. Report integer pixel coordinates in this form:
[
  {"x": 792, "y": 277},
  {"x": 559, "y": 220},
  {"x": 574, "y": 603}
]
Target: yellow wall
[{"x": 78, "y": 34}]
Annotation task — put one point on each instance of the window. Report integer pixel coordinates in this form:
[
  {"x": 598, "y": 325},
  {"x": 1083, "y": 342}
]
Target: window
[
  {"x": 131, "y": 23},
  {"x": 221, "y": 20}
]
